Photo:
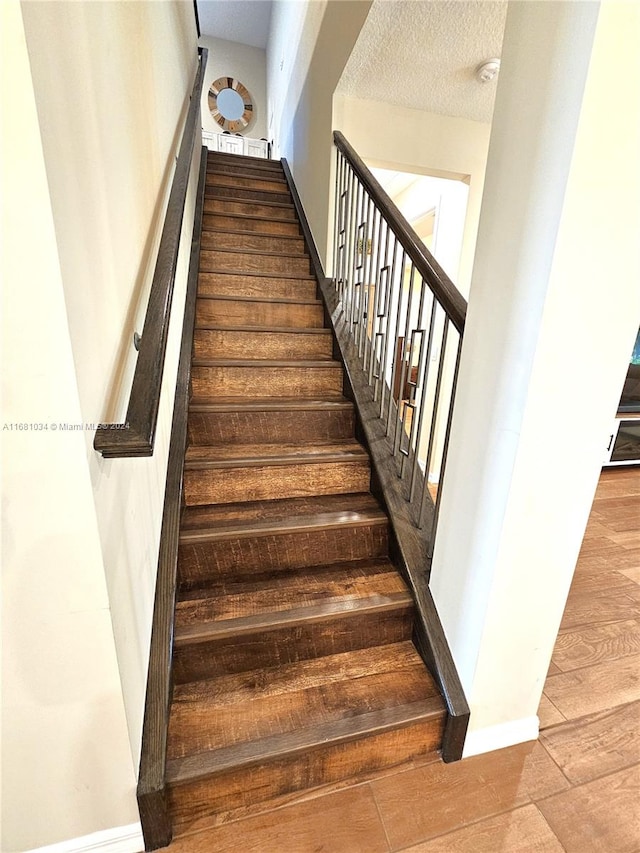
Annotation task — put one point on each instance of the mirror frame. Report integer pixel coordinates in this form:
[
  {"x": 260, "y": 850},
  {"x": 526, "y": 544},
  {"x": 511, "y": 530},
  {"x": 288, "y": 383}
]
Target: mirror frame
[{"x": 232, "y": 125}]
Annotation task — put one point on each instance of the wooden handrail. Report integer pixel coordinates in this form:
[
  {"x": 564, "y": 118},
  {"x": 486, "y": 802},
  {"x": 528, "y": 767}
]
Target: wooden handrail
[
  {"x": 444, "y": 289},
  {"x": 137, "y": 435}
]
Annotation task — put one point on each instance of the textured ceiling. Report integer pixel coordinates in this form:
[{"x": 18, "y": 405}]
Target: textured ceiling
[
  {"x": 243, "y": 21},
  {"x": 423, "y": 54}
]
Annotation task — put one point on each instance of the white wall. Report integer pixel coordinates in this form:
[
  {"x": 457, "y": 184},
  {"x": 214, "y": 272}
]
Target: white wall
[
  {"x": 67, "y": 766},
  {"x": 551, "y": 323},
  {"x": 293, "y": 34},
  {"x": 249, "y": 66},
  {"x": 89, "y": 179},
  {"x": 301, "y": 96},
  {"x": 424, "y": 143}
]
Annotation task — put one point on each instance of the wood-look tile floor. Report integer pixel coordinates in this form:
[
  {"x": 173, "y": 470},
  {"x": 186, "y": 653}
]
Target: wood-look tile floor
[{"x": 576, "y": 790}]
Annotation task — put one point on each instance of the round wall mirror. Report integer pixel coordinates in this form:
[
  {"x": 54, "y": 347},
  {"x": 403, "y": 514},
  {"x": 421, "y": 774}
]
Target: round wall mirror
[{"x": 230, "y": 104}]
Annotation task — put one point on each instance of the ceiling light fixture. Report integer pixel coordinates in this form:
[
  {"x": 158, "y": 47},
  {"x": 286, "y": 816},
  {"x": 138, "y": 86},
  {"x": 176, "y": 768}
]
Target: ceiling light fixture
[{"x": 487, "y": 70}]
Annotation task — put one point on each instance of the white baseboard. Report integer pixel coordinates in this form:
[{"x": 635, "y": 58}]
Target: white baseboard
[
  {"x": 501, "y": 736},
  {"x": 120, "y": 839}
]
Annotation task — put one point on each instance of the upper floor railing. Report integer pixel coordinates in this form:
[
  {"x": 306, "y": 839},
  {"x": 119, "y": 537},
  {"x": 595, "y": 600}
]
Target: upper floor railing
[
  {"x": 405, "y": 319},
  {"x": 137, "y": 435}
]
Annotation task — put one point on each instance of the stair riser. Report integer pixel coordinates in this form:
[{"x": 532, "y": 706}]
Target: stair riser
[
  {"x": 226, "y": 343},
  {"x": 271, "y": 482},
  {"x": 262, "y": 226},
  {"x": 210, "y": 801},
  {"x": 284, "y": 645},
  {"x": 233, "y": 162},
  {"x": 226, "y": 284},
  {"x": 248, "y": 183},
  {"x": 237, "y": 556},
  {"x": 248, "y": 173},
  {"x": 252, "y": 242},
  {"x": 248, "y": 195},
  {"x": 269, "y": 427},
  {"x": 229, "y": 312},
  {"x": 244, "y": 262},
  {"x": 266, "y": 381},
  {"x": 248, "y": 208}
]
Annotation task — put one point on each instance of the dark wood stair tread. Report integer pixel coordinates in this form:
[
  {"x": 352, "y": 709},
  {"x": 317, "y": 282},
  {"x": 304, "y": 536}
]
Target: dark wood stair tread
[
  {"x": 267, "y": 594},
  {"x": 264, "y": 330},
  {"x": 269, "y": 174},
  {"x": 245, "y": 455},
  {"x": 268, "y": 714},
  {"x": 250, "y": 201},
  {"x": 264, "y": 362},
  {"x": 217, "y": 179},
  {"x": 256, "y": 216},
  {"x": 270, "y": 299},
  {"x": 262, "y": 253},
  {"x": 213, "y": 229},
  {"x": 217, "y": 206},
  {"x": 239, "y": 223},
  {"x": 261, "y": 404},
  {"x": 213, "y": 339},
  {"x": 238, "y": 596},
  {"x": 233, "y": 171},
  {"x": 261, "y": 609},
  {"x": 262, "y": 273},
  {"x": 257, "y": 279},
  {"x": 234, "y": 250},
  {"x": 250, "y": 274},
  {"x": 218, "y": 521},
  {"x": 239, "y": 159}
]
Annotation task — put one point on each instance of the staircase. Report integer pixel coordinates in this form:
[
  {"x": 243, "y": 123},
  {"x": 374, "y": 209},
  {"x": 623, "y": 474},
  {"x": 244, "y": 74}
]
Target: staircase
[{"x": 293, "y": 663}]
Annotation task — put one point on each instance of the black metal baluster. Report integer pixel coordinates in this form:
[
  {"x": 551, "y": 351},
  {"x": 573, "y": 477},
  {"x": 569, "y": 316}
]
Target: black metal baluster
[
  {"x": 372, "y": 304},
  {"x": 362, "y": 277},
  {"x": 337, "y": 220},
  {"x": 366, "y": 280},
  {"x": 414, "y": 386},
  {"x": 350, "y": 245},
  {"x": 376, "y": 368},
  {"x": 445, "y": 450},
  {"x": 424, "y": 370},
  {"x": 355, "y": 231},
  {"x": 434, "y": 421},
  {"x": 406, "y": 435},
  {"x": 397, "y": 249},
  {"x": 404, "y": 367}
]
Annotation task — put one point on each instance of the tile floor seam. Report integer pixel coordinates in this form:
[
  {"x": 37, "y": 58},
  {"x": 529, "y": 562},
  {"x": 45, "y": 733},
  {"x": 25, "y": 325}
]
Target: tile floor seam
[
  {"x": 533, "y": 800},
  {"x": 551, "y": 829},
  {"x": 380, "y": 817},
  {"x": 582, "y": 625},
  {"x": 575, "y": 786},
  {"x": 564, "y": 719},
  {"x": 466, "y": 825},
  {"x": 597, "y": 778}
]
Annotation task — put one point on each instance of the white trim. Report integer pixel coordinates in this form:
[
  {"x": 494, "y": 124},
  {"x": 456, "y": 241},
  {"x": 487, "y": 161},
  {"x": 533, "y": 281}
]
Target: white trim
[
  {"x": 120, "y": 839},
  {"x": 500, "y": 736}
]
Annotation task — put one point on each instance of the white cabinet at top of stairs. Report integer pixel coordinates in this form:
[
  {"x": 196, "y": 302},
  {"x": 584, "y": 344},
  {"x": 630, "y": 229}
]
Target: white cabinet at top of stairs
[{"x": 230, "y": 144}]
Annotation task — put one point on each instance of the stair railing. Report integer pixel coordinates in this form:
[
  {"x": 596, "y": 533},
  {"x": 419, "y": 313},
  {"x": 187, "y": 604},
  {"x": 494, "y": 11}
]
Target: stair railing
[
  {"x": 136, "y": 436},
  {"x": 405, "y": 320}
]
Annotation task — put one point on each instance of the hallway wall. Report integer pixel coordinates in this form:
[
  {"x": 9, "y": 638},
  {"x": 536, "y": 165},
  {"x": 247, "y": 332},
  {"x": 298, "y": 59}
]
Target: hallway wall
[
  {"x": 301, "y": 95},
  {"x": 248, "y": 65},
  {"x": 97, "y": 93},
  {"x": 431, "y": 144}
]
